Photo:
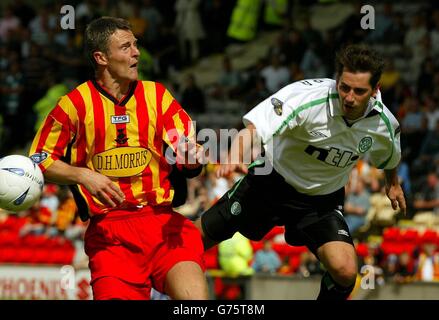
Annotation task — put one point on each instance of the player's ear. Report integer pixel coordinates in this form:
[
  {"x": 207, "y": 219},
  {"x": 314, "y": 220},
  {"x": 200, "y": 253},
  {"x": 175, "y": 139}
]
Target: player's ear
[{"x": 100, "y": 58}]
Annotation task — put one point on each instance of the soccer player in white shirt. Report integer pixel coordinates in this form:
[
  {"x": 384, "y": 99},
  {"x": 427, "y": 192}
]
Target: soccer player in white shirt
[{"x": 313, "y": 133}]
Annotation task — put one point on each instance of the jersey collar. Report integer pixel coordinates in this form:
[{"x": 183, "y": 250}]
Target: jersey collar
[
  {"x": 107, "y": 94},
  {"x": 334, "y": 102}
]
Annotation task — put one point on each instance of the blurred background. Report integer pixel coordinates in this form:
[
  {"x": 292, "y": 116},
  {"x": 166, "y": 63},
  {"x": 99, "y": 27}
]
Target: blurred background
[{"x": 219, "y": 59}]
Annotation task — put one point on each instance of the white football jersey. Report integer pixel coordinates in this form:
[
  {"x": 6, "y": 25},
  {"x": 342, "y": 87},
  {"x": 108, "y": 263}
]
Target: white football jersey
[{"x": 312, "y": 146}]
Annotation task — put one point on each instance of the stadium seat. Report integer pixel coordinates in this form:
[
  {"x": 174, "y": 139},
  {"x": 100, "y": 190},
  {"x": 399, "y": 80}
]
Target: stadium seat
[
  {"x": 362, "y": 249},
  {"x": 429, "y": 236},
  {"x": 274, "y": 232},
  {"x": 391, "y": 234}
]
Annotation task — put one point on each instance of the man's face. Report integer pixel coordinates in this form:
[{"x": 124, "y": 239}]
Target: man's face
[
  {"x": 123, "y": 55},
  {"x": 355, "y": 91}
]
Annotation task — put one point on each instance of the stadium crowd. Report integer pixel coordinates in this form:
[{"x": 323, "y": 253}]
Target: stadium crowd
[{"x": 40, "y": 61}]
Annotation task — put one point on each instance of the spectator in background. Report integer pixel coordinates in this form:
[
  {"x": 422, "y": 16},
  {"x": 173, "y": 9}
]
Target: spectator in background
[
  {"x": 404, "y": 269},
  {"x": 431, "y": 111},
  {"x": 434, "y": 34},
  {"x": 192, "y": 97},
  {"x": 424, "y": 83},
  {"x": 427, "y": 199},
  {"x": 215, "y": 20},
  {"x": 66, "y": 214},
  {"x": 428, "y": 158},
  {"x": 415, "y": 33},
  {"x": 417, "y": 44},
  {"x": 229, "y": 81},
  {"x": 296, "y": 74},
  {"x": 50, "y": 199},
  {"x": 38, "y": 221},
  {"x": 124, "y": 8},
  {"x": 44, "y": 105},
  {"x": 295, "y": 47},
  {"x": 244, "y": 20},
  {"x": 311, "y": 35},
  {"x": 11, "y": 88},
  {"x": 309, "y": 265},
  {"x": 154, "y": 23},
  {"x": 23, "y": 11},
  {"x": 404, "y": 177},
  {"x": 396, "y": 33},
  {"x": 276, "y": 75},
  {"x": 312, "y": 64},
  {"x": 427, "y": 264},
  {"x": 41, "y": 26},
  {"x": 9, "y": 23},
  {"x": 84, "y": 10},
  {"x": 257, "y": 94},
  {"x": 285, "y": 267},
  {"x": 357, "y": 205},
  {"x": 138, "y": 23},
  {"x": 389, "y": 80},
  {"x": 350, "y": 30},
  {"x": 278, "y": 48},
  {"x": 189, "y": 29},
  {"x": 383, "y": 23},
  {"x": 413, "y": 129},
  {"x": 266, "y": 259},
  {"x": 275, "y": 13}
]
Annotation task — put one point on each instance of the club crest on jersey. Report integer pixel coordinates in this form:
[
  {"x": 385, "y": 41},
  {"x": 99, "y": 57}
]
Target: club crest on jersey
[
  {"x": 120, "y": 119},
  {"x": 277, "y": 106},
  {"x": 121, "y": 137},
  {"x": 39, "y": 157},
  {"x": 236, "y": 208},
  {"x": 365, "y": 144}
]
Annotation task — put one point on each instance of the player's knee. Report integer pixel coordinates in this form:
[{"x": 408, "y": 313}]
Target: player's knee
[
  {"x": 345, "y": 274},
  {"x": 186, "y": 281}
]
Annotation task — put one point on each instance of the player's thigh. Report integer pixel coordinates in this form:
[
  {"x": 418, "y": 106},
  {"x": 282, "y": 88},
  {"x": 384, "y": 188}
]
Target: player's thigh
[
  {"x": 180, "y": 249},
  {"x": 186, "y": 280},
  {"x": 247, "y": 207},
  {"x": 316, "y": 228},
  {"x": 112, "y": 288}
]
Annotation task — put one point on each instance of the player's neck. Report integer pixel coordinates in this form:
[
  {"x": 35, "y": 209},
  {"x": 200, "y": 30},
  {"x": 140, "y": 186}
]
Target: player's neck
[{"x": 116, "y": 88}]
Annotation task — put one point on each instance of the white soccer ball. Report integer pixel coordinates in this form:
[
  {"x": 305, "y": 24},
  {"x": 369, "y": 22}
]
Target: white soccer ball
[{"x": 21, "y": 183}]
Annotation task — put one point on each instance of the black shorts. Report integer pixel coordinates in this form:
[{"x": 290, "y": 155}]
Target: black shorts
[{"x": 257, "y": 203}]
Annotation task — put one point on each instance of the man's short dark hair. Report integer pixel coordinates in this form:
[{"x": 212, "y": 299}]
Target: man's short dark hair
[
  {"x": 360, "y": 58},
  {"x": 98, "y": 32}
]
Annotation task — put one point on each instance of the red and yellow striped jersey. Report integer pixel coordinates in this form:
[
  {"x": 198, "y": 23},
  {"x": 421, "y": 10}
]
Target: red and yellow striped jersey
[{"x": 122, "y": 139}]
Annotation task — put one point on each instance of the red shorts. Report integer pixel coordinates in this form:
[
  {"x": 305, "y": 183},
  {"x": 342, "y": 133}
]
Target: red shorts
[{"x": 130, "y": 252}]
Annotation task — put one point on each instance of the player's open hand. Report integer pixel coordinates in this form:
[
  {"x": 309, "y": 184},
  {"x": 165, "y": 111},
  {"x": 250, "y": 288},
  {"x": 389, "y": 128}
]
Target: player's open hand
[
  {"x": 396, "y": 197},
  {"x": 102, "y": 188},
  {"x": 190, "y": 154}
]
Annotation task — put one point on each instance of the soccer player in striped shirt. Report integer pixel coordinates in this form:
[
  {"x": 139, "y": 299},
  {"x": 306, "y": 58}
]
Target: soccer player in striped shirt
[
  {"x": 313, "y": 132},
  {"x": 106, "y": 139}
]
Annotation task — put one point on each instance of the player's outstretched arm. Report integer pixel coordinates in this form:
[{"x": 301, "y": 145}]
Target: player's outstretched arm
[
  {"x": 97, "y": 184},
  {"x": 394, "y": 190},
  {"x": 241, "y": 149}
]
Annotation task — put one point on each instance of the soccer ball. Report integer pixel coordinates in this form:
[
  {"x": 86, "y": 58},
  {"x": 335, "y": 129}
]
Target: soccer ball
[{"x": 21, "y": 183}]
